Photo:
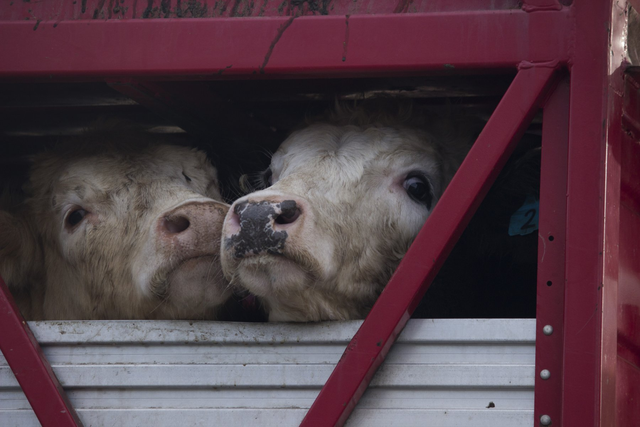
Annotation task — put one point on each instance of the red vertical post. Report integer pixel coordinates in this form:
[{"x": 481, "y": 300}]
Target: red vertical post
[
  {"x": 551, "y": 253},
  {"x": 588, "y": 396},
  {"x": 31, "y": 368},
  {"x": 368, "y": 348},
  {"x": 628, "y": 322},
  {"x": 613, "y": 100}
]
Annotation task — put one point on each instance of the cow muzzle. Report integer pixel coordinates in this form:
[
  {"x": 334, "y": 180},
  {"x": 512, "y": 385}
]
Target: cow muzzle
[
  {"x": 188, "y": 241},
  {"x": 194, "y": 227},
  {"x": 271, "y": 242},
  {"x": 259, "y": 227}
]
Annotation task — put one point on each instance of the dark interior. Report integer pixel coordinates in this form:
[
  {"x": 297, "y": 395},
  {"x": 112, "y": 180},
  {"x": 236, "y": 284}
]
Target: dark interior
[{"x": 490, "y": 274}]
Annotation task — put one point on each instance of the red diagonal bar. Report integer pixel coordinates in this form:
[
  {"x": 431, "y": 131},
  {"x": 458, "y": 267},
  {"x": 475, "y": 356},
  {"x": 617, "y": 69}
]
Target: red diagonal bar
[
  {"x": 31, "y": 368},
  {"x": 409, "y": 283}
]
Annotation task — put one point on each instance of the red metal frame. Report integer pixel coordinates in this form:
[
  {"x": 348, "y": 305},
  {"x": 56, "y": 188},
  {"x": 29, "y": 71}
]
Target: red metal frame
[
  {"x": 581, "y": 168},
  {"x": 428, "y": 252},
  {"x": 262, "y": 47},
  {"x": 31, "y": 368},
  {"x": 90, "y": 10},
  {"x": 551, "y": 253},
  {"x": 591, "y": 232},
  {"x": 628, "y": 333}
]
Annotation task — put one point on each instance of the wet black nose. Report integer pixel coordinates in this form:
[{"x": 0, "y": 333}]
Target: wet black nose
[{"x": 262, "y": 227}]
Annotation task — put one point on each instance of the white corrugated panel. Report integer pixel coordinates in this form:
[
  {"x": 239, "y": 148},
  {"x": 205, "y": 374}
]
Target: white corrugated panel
[{"x": 440, "y": 373}]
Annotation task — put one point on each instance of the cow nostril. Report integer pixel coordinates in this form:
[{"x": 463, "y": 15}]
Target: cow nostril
[
  {"x": 176, "y": 224},
  {"x": 288, "y": 217}
]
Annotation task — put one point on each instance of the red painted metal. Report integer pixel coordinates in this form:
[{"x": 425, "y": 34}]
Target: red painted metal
[
  {"x": 394, "y": 307},
  {"x": 551, "y": 253},
  {"x": 627, "y": 392},
  {"x": 630, "y": 185},
  {"x": 306, "y": 46},
  {"x": 538, "y": 5},
  {"x": 628, "y": 333},
  {"x": 630, "y": 156},
  {"x": 613, "y": 113},
  {"x": 628, "y": 336},
  {"x": 32, "y": 370},
  {"x": 59, "y": 10},
  {"x": 592, "y": 217},
  {"x": 595, "y": 355}
]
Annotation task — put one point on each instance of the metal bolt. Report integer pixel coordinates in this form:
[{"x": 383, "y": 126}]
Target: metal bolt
[
  {"x": 545, "y": 374},
  {"x": 547, "y": 330},
  {"x": 545, "y": 420}
]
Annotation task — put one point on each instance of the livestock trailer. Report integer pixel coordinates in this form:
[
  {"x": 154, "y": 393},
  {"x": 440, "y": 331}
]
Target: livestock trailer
[{"x": 225, "y": 69}]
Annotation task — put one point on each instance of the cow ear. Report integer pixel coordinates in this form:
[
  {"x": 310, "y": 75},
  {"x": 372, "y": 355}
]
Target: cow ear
[{"x": 20, "y": 256}]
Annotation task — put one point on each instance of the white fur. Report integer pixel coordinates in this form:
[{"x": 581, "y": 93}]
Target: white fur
[
  {"x": 357, "y": 220},
  {"x": 115, "y": 264}
]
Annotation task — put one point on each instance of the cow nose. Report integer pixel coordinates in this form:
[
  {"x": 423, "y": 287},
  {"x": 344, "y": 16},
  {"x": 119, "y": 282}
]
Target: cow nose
[
  {"x": 252, "y": 217},
  {"x": 254, "y": 227},
  {"x": 192, "y": 221},
  {"x": 175, "y": 225}
]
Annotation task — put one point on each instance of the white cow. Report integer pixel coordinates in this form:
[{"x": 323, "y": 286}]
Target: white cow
[
  {"x": 346, "y": 198},
  {"x": 116, "y": 225}
]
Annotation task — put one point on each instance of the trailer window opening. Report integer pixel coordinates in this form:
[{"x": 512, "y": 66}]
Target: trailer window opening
[{"x": 491, "y": 271}]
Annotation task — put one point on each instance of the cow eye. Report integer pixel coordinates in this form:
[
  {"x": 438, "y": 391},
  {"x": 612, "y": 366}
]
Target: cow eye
[
  {"x": 186, "y": 177},
  {"x": 267, "y": 178},
  {"x": 418, "y": 188},
  {"x": 75, "y": 217}
]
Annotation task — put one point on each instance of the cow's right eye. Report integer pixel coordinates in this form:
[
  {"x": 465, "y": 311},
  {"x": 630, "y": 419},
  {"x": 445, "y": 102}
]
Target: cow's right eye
[
  {"x": 417, "y": 187},
  {"x": 75, "y": 217}
]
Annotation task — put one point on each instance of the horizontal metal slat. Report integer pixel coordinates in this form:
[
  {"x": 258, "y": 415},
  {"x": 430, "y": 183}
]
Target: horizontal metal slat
[
  {"x": 151, "y": 332},
  {"x": 102, "y": 376},
  {"x": 404, "y": 353},
  {"x": 375, "y": 398},
  {"x": 288, "y": 417}
]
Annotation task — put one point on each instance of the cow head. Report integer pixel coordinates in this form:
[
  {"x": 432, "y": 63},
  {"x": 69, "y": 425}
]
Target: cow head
[
  {"x": 116, "y": 225},
  {"x": 345, "y": 199}
]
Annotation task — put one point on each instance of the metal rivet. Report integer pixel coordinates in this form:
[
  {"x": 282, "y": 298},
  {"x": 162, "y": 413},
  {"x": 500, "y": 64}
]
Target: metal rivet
[
  {"x": 547, "y": 330},
  {"x": 545, "y": 420},
  {"x": 545, "y": 374}
]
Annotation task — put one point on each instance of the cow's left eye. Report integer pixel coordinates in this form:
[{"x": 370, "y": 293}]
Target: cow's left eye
[
  {"x": 418, "y": 188},
  {"x": 75, "y": 217},
  {"x": 186, "y": 177}
]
